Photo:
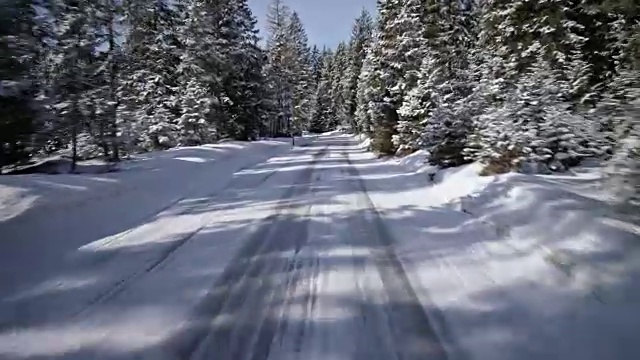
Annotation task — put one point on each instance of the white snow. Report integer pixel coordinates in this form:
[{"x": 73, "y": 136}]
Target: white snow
[
  {"x": 518, "y": 266},
  {"x": 160, "y": 171},
  {"x": 82, "y": 264},
  {"x": 509, "y": 267},
  {"x": 66, "y": 225}
]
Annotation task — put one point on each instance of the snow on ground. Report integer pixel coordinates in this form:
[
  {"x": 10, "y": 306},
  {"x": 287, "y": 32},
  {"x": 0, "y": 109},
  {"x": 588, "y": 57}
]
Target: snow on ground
[
  {"x": 517, "y": 266},
  {"x": 509, "y": 267},
  {"x": 104, "y": 299},
  {"x": 59, "y": 214},
  {"x": 20, "y": 194}
]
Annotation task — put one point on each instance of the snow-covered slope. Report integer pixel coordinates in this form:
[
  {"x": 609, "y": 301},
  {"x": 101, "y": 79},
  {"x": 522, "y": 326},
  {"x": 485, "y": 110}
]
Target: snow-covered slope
[
  {"x": 160, "y": 171},
  {"x": 517, "y": 266}
]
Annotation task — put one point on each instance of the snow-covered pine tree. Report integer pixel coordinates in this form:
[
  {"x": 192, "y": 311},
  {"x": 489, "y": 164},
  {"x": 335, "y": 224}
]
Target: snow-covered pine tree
[
  {"x": 243, "y": 84},
  {"x": 278, "y": 16},
  {"x": 22, "y": 59},
  {"x": 108, "y": 62},
  {"x": 451, "y": 121},
  {"x": 197, "y": 88},
  {"x": 302, "y": 81},
  {"x": 368, "y": 84},
  {"x": 360, "y": 38},
  {"x": 73, "y": 56},
  {"x": 336, "y": 92},
  {"x": 316, "y": 64},
  {"x": 389, "y": 68},
  {"x": 316, "y": 59},
  {"x": 279, "y": 73},
  {"x": 323, "y": 112},
  {"x": 621, "y": 108},
  {"x": 148, "y": 93},
  {"x": 541, "y": 71},
  {"x": 419, "y": 26}
]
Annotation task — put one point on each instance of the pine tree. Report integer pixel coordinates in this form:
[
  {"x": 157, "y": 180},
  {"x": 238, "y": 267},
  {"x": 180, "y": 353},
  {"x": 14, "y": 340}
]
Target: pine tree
[
  {"x": 336, "y": 86},
  {"x": 323, "y": 111},
  {"x": 316, "y": 64},
  {"x": 21, "y": 54},
  {"x": 543, "y": 72},
  {"x": 303, "y": 89},
  {"x": 149, "y": 88},
  {"x": 420, "y": 26},
  {"x": 621, "y": 109},
  {"x": 279, "y": 73},
  {"x": 242, "y": 80},
  {"x": 389, "y": 69},
  {"x": 360, "y": 39},
  {"x": 108, "y": 64},
  {"x": 367, "y": 90},
  {"x": 452, "y": 120},
  {"x": 73, "y": 59}
]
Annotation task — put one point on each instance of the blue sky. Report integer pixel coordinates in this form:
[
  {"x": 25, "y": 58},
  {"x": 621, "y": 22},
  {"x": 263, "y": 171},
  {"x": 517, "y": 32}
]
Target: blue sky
[{"x": 327, "y": 21}]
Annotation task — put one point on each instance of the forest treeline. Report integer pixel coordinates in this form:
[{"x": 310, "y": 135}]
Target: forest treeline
[{"x": 520, "y": 85}]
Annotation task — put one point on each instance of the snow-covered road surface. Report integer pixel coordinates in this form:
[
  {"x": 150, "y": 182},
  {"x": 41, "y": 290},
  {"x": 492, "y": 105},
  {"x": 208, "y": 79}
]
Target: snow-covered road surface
[{"x": 288, "y": 260}]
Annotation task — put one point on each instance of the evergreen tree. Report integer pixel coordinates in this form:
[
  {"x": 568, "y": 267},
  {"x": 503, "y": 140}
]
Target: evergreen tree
[
  {"x": 529, "y": 85},
  {"x": 73, "y": 54},
  {"x": 242, "y": 79},
  {"x": 542, "y": 72},
  {"x": 302, "y": 81},
  {"x": 451, "y": 122},
  {"x": 108, "y": 64},
  {"x": 149, "y": 88},
  {"x": 420, "y": 26},
  {"x": 336, "y": 85},
  {"x": 279, "y": 68},
  {"x": 367, "y": 90},
  {"x": 389, "y": 70},
  {"x": 621, "y": 109},
  {"x": 316, "y": 64},
  {"x": 360, "y": 39},
  {"x": 21, "y": 55},
  {"x": 323, "y": 111}
]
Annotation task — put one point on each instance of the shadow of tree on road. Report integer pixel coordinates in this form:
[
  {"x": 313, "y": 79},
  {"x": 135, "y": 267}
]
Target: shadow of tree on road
[{"x": 119, "y": 291}]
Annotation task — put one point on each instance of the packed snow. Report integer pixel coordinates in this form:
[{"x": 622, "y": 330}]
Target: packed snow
[{"x": 506, "y": 266}]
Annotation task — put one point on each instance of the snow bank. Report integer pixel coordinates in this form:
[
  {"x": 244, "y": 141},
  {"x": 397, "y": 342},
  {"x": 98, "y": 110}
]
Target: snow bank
[
  {"x": 517, "y": 266},
  {"x": 172, "y": 171},
  {"x": 363, "y": 141},
  {"x": 416, "y": 162},
  {"x": 553, "y": 271}
]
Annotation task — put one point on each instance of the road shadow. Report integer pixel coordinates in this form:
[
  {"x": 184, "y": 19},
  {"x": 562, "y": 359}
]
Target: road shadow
[{"x": 250, "y": 303}]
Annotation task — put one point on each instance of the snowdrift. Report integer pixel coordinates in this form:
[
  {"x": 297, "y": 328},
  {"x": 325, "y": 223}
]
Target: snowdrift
[{"x": 515, "y": 266}]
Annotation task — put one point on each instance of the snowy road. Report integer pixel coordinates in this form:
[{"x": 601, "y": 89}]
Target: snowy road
[{"x": 289, "y": 260}]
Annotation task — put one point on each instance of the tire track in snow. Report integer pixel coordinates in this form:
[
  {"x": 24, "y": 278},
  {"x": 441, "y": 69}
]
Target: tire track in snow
[
  {"x": 236, "y": 319},
  {"x": 264, "y": 296},
  {"x": 413, "y": 333},
  {"x": 129, "y": 280}
]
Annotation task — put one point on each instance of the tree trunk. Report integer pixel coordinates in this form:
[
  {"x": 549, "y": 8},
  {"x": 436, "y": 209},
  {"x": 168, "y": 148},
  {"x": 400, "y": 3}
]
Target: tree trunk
[
  {"x": 1, "y": 155},
  {"x": 103, "y": 141},
  {"x": 74, "y": 135},
  {"x": 113, "y": 104}
]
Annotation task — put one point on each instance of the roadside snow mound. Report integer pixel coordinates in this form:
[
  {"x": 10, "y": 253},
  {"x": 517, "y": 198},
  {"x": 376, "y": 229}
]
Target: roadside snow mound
[
  {"x": 568, "y": 221},
  {"x": 514, "y": 266},
  {"x": 418, "y": 162},
  {"x": 543, "y": 264},
  {"x": 363, "y": 141}
]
